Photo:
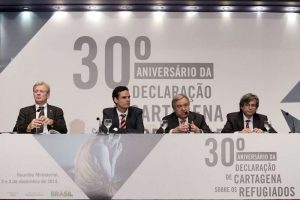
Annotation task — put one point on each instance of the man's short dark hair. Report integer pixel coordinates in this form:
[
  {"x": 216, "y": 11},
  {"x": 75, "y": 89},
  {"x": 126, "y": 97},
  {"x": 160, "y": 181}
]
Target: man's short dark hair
[
  {"x": 117, "y": 91},
  {"x": 247, "y": 98}
]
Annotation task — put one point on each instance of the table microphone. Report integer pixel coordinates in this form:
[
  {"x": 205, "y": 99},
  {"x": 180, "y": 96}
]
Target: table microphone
[
  {"x": 99, "y": 125},
  {"x": 38, "y": 110}
]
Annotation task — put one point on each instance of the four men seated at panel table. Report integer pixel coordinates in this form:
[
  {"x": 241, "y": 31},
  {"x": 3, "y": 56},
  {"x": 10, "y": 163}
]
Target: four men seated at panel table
[{"x": 45, "y": 118}]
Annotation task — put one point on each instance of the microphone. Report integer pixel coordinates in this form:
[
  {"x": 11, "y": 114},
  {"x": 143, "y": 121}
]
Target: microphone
[
  {"x": 190, "y": 119},
  {"x": 41, "y": 114},
  {"x": 38, "y": 110},
  {"x": 99, "y": 125}
]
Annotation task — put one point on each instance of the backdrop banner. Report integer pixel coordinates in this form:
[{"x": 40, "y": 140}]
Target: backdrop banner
[{"x": 214, "y": 58}]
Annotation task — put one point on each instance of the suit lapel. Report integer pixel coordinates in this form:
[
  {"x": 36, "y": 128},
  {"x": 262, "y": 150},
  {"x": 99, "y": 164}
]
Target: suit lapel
[
  {"x": 174, "y": 121},
  {"x": 241, "y": 121},
  {"x": 115, "y": 118},
  {"x": 50, "y": 113},
  {"x": 129, "y": 117},
  {"x": 191, "y": 117},
  {"x": 255, "y": 121},
  {"x": 32, "y": 113}
]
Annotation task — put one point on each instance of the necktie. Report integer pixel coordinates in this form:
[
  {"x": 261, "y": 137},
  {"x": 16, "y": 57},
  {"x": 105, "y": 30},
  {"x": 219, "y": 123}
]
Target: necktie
[
  {"x": 42, "y": 113},
  {"x": 182, "y": 122},
  {"x": 247, "y": 123},
  {"x": 123, "y": 121}
]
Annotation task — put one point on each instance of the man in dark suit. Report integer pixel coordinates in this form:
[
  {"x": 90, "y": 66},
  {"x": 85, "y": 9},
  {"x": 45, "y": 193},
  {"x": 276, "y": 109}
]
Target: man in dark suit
[
  {"x": 41, "y": 117},
  {"x": 247, "y": 120},
  {"x": 125, "y": 118},
  {"x": 182, "y": 120}
]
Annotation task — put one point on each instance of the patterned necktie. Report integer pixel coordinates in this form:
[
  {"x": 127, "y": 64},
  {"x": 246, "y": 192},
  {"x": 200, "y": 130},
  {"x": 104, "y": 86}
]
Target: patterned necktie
[
  {"x": 182, "y": 122},
  {"x": 247, "y": 123},
  {"x": 123, "y": 121},
  {"x": 42, "y": 113}
]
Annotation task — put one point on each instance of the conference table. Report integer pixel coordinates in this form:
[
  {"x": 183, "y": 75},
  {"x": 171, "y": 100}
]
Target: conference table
[{"x": 150, "y": 166}]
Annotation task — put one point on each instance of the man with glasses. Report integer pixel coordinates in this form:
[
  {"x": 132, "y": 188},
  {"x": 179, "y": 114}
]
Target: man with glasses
[
  {"x": 41, "y": 117},
  {"x": 182, "y": 120},
  {"x": 247, "y": 120}
]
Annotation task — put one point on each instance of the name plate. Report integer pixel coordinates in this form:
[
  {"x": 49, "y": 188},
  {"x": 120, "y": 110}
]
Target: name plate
[{"x": 149, "y": 166}]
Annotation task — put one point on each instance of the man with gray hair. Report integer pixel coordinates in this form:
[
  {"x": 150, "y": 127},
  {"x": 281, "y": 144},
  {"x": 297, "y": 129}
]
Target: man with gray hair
[
  {"x": 182, "y": 120},
  {"x": 41, "y": 117},
  {"x": 247, "y": 120}
]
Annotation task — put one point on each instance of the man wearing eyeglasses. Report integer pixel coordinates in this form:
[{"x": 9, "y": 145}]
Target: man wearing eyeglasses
[
  {"x": 247, "y": 120},
  {"x": 182, "y": 120},
  {"x": 41, "y": 117}
]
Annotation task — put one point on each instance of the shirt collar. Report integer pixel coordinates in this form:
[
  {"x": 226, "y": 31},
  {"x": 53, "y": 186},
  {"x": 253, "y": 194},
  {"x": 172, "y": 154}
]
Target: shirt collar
[
  {"x": 245, "y": 118},
  {"x": 37, "y": 106},
  {"x": 119, "y": 113},
  {"x": 179, "y": 119}
]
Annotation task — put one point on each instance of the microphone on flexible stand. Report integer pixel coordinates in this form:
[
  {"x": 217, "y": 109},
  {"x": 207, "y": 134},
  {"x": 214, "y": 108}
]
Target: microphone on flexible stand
[
  {"x": 99, "y": 125},
  {"x": 189, "y": 121},
  {"x": 38, "y": 110}
]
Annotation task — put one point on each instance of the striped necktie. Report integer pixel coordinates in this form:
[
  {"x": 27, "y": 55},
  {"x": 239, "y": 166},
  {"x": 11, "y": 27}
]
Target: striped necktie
[{"x": 123, "y": 121}]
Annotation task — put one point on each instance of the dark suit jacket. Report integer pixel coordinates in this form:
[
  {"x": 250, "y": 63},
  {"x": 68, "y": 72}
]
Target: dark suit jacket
[
  {"x": 173, "y": 122},
  {"x": 235, "y": 122},
  {"x": 134, "y": 120},
  {"x": 27, "y": 114}
]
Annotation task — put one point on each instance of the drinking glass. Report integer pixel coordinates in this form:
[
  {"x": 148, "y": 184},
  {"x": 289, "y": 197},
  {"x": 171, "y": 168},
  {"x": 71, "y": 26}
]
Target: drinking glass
[
  {"x": 107, "y": 124},
  {"x": 267, "y": 125},
  {"x": 164, "y": 125}
]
